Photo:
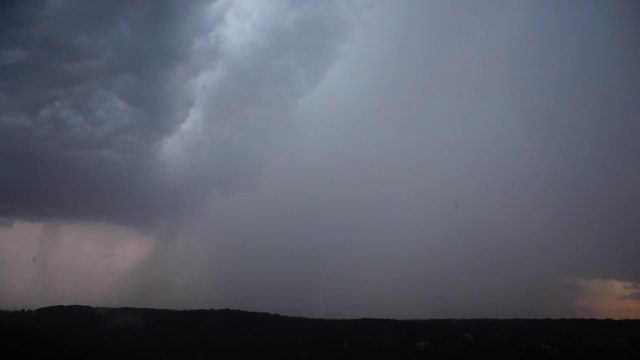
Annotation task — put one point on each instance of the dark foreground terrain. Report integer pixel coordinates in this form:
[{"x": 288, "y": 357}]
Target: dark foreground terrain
[{"x": 80, "y": 332}]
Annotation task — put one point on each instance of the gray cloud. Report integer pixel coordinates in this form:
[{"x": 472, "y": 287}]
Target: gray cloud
[
  {"x": 401, "y": 159},
  {"x": 95, "y": 88},
  {"x": 91, "y": 92},
  {"x": 633, "y": 296},
  {"x": 451, "y": 166},
  {"x": 633, "y": 286}
]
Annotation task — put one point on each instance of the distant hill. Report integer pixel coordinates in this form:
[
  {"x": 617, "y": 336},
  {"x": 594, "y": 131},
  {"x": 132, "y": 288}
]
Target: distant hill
[{"x": 84, "y": 332}]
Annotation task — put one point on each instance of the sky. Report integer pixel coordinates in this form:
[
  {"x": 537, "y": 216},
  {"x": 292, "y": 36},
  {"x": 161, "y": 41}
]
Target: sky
[{"x": 329, "y": 159}]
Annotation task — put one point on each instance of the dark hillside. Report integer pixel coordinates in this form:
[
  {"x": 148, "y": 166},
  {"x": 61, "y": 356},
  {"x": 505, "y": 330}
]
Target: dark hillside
[{"x": 84, "y": 332}]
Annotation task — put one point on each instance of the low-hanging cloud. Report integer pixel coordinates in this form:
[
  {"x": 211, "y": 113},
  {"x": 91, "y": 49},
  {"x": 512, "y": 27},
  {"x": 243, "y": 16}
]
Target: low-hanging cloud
[{"x": 132, "y": 112}]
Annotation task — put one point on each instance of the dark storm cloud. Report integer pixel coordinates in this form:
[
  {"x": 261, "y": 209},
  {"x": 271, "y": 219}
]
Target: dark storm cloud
[
  {"x": 403, "y": 159},
  {"x": 87, "y": 90},
  {"x": 91, "y": 91}
]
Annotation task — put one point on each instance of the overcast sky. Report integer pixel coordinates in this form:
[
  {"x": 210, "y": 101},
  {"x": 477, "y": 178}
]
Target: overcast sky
[{"x": 337, "y": 159}]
